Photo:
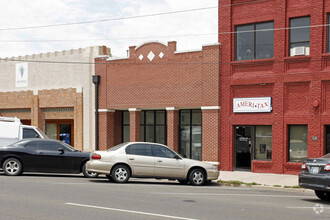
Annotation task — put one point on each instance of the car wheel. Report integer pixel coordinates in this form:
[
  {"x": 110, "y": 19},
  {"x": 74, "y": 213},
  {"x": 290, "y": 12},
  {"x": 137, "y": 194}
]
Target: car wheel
[
  {"x": 323, "y": 195},
  {"x": 120, "y": 174},
  {"x": 12, "y": 167},
  {"x": 197, "y": 177},
  {"x": 88, "y": 174},
  {"x": 183, "y": 182}
]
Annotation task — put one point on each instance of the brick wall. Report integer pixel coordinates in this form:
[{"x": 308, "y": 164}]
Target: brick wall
[
  {"x": 294, "y": 83},
  {"x": 156, "y": 76},
  {"x": 35, "y": 103}
]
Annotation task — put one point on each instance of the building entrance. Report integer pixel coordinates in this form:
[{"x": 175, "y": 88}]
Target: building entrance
[
  {"x": 243, "y": 150},
  {"x": 327, "y": 139},
  {"x": 60, "y": 130}
]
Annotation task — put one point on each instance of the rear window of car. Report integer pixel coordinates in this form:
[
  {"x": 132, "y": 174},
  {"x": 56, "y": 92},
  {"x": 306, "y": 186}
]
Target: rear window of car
[
  {"x": 326, "y": 156},
  {"x": 116, "y": 147}
]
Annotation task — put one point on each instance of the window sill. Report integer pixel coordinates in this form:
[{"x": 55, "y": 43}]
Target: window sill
[
  {"x": 298, "y": 58},
  {"x": 238, "y": 62}
]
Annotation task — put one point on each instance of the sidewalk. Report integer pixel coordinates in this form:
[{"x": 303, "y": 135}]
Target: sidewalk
[{"x": 265, "y": 179}]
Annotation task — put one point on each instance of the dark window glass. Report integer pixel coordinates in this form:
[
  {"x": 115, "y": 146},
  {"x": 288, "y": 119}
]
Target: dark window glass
[
  {"x": 328, "y": 37},
  {"x": 65, "y": 133},
  {"x": 126, "y": 126},
  {"x": 185, "y": 117},
  {"x": 30, "y": 133},
  {"x": 160, "y": 117},
  {"x": 114, "y": 148},
  {"x": 139, "y": 149},
  {"x": 43, "y": 145},
  {"x": 299, "y": 32},
  {"x": 264, "y": 40},
  {"x": 150, "y": 117},
  {"x": 327, "y": 139},
  {"x": 153, "y": 126},
  {"x": 297, "y": 143},
  {"x": 263, "y": 142},
  {"x": 254, "y": 41},
  {"x": 191, "y": 134},
  {"x": 160, "y": 151}
]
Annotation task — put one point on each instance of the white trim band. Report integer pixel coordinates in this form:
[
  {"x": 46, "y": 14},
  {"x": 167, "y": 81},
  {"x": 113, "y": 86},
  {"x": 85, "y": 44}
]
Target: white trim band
[
  {"x": 210, "y": 107},
  {"x": 171, "y": 108},
  {"x": 134, "y": 109},
  {"x": 106, "y": 110}
]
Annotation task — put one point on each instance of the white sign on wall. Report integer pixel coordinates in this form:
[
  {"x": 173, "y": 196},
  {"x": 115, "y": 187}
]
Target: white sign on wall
[
  {"x": 261, "y": 104},
  {"x": 21, "y": 74}
]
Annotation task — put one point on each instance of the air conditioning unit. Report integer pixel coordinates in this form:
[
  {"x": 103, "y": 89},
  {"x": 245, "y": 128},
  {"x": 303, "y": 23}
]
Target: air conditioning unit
[{"x": 298, "y": 51}]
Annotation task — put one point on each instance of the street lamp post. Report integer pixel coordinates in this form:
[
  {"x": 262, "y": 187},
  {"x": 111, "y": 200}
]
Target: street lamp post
[{"x": 96, "y": 81}]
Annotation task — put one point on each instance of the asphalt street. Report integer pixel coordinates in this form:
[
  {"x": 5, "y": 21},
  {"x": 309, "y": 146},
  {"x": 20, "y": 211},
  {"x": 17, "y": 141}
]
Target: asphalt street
[{"x": 37, "y": 196}]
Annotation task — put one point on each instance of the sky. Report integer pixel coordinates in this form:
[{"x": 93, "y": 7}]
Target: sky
[{"x": 190, "y": 29}]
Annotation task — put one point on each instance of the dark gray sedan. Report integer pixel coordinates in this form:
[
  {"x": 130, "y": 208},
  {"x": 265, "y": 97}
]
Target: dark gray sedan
[{"x": 315, "y": 175}]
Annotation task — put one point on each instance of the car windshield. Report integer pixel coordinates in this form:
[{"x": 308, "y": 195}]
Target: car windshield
[
  {"x": 42, "y": 133},
  {"x": 326, "y": 156},
  {"x": 117, "y": 147}
]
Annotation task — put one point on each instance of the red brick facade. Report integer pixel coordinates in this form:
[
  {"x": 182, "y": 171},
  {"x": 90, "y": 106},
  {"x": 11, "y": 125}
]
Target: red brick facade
[
  {"x": 293, "y": 83},
  {"x": 155, "y": 76}
]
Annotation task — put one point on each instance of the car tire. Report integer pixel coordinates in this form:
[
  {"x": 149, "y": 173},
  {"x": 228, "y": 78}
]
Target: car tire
[
  {"x": 120, "y": 174},
  {"x": 88, "y": 174},
  {"x": 323, "y": 195},
  {"x": 12, "y": 167},
  {"x": 197, "y": 177},
  {"x": 183, "y": 182}
]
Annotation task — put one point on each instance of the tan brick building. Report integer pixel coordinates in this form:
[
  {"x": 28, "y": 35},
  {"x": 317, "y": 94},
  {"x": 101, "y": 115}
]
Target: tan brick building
[
  {"x": 53, "y": 91},
  {"x": 161, "y": 95}
]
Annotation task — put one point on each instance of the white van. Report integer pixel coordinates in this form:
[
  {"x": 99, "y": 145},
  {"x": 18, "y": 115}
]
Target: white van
[{"x": 12, "y": 130}]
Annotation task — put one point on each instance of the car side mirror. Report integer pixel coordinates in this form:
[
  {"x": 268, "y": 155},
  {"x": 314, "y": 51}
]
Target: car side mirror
[{"x": 61, "y": 150}]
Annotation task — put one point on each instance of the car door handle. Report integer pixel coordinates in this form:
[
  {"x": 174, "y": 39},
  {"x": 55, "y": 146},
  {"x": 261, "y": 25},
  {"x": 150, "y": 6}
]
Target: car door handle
[
  {"x": 40, "y": 152},
  {"x": 131, "y": 158},
  {"x": 160, "y": 161}
]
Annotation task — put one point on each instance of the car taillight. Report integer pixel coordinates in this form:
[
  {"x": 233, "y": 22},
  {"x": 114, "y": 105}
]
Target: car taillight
[
  {"x": 303, "y": 166},
  {"x": 327, "y": 167},
  {"x": 96, "y": 156}
]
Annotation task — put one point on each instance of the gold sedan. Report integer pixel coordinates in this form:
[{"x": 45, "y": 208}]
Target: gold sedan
[{"x": 149, "y": 160}]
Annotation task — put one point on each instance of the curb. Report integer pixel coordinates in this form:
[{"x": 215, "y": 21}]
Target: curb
[{"x": 264, "y": 186}]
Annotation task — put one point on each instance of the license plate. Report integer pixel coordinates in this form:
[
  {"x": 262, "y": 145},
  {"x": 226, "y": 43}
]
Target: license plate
[{"x": 315, "y": 169}]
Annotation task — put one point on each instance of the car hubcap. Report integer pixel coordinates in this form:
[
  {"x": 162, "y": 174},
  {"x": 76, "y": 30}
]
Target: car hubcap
[
  {"x": 121, "y": 174},
  {"x": 91, "y": 173},
  {"x": 12, "y": 167},
  {"x": 198, "y": 177}
]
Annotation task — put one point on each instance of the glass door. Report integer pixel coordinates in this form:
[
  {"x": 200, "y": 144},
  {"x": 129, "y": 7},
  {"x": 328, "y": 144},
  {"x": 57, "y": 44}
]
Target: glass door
[
  {"x": 243, "y": 150},
  {"x": 60, "y": 130}
]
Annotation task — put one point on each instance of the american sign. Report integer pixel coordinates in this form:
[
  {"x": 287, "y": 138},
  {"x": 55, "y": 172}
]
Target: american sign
[{"x": 260, "y": 104}]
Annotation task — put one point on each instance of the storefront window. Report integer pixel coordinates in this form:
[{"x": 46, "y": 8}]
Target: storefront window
[
  {"x": 191, "y": 134},
  {"x": 263, "y": 143},
  {"x": 126, "y": 128},
  {"x": 153, "y": 126},
  {"x": 297, "y": 143}
]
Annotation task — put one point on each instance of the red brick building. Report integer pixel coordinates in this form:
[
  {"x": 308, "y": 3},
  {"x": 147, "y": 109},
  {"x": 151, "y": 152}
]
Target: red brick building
[
  {"x": 275, "y": 83},
  {"x": 160, "y": 95}
]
